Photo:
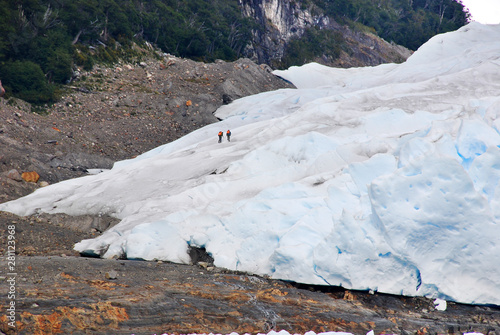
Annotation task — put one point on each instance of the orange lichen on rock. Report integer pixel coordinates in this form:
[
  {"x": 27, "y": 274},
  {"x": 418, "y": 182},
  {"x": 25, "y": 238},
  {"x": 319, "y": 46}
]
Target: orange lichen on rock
[
  {"x": 101, "y": 313},
  {"x": 68, "y": 277},
  {"x": 30, "y": 177},
  {"x": 271, "y": 295},
  {"x": 42, "y": 324}
]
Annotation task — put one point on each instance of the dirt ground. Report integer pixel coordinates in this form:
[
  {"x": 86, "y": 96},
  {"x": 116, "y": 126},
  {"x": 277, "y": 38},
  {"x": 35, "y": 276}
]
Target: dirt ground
[{"x": 116, "y": 113}]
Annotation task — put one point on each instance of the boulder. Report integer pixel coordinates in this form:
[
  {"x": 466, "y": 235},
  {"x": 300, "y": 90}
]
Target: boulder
[
  {"x": 81, "y": 161},
  {"x": 14, "y": 175}
]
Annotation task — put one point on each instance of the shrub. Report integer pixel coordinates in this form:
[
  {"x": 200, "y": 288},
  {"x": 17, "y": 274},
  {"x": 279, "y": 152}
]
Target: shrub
[
  {"x": 25, "y": 80},
  {"x": 314, "y": 43}
]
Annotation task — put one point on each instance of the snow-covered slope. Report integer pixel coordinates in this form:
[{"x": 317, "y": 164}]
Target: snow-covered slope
[{"x": 382, "y": 178}]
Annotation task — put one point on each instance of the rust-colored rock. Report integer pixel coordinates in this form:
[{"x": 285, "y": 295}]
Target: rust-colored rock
[
  {"x": 100, "y": 314},
  {"x": 150, "y": 297},
  {"x": 30, "y": 177}
]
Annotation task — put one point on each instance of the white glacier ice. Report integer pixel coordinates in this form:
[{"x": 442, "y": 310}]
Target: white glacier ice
[{"x": 381, "y": 178}]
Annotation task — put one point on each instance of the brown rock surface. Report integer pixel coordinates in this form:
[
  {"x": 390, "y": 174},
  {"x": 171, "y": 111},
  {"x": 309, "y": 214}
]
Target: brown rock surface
[{"x": 75, "y": 295}]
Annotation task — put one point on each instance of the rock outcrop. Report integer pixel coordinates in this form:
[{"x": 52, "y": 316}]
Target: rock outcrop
[{"x": 280, "y": 21}]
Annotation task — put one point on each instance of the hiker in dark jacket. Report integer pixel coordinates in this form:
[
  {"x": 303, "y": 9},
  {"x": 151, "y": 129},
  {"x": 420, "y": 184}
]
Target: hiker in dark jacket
[{"x": 228, "y": 134}]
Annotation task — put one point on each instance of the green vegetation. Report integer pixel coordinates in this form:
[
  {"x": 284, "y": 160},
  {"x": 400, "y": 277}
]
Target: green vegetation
[
  {"x": 409, "y": 23},
  {"x": 27, "y": 81},
  {"x": 406, "y": 22},
  {"x": 314, "y": 43},
  {"x": 41, "y": 41}
]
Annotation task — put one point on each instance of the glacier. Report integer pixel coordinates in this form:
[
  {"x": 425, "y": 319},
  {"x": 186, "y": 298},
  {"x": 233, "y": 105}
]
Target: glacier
[{"x": 381, "y": 178}]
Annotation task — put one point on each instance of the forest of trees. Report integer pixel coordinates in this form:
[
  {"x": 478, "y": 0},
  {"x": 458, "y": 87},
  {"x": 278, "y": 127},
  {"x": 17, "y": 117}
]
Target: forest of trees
[
  {"x": 42, "y": 40},
  {"x": 409, "y": 23}
]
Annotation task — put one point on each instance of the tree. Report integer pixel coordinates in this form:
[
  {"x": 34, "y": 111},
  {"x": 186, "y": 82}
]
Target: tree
[
  {"x": 56, "y": 34},
  {"x": 406, "y": 22},
  {"x": 26, "y": 80},
  {"x": 313, "y": 44}
]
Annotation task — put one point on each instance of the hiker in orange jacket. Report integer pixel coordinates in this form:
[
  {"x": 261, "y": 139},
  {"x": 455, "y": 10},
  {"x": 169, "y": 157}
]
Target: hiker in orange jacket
[
  {"x": 228, "y": 134},
  {"x": 220, "y": 136}
]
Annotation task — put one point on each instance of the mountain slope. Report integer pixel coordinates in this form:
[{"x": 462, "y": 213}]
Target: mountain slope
[{"x": 43, "y": 43}]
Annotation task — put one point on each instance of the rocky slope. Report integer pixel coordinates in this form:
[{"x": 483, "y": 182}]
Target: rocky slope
[{"x": 116, "y": 113}]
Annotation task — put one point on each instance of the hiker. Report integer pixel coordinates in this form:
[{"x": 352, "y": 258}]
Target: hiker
[
  {"x": 220, "y": 136},
  {"x": 228, "y": 134}
]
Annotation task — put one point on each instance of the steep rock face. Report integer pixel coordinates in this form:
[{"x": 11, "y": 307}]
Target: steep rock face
[{"x": 280, "y": 21}]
